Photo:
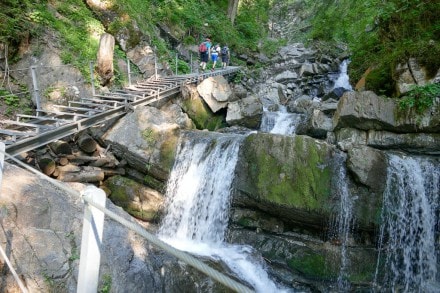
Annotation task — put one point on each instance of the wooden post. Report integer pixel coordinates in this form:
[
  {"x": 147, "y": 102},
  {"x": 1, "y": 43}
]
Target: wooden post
[
  {"x": 93, "y": 226},
  {"x": 36, "y": 89},
  {"x": 2, "y": 162},
  {"x": 92, "y": 77},
  {"x": 129, "y": 71}
]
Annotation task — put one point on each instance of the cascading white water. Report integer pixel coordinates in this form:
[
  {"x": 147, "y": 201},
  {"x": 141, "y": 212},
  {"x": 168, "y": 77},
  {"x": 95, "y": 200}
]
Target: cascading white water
[
  {"x": 280, "y": 122},
  {"x": 343, "y": 223},
  {"x": 198, "y": 206},
  {"x": 343, "y": 79},
  {"x": 410, "y": 228}
]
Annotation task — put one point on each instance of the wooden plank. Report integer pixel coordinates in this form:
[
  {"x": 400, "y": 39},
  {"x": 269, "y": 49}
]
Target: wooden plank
[
  {"x": 63, "y": 113},
  {"x": 79, "y": 109},
  {"x": 17, "y": 133}
]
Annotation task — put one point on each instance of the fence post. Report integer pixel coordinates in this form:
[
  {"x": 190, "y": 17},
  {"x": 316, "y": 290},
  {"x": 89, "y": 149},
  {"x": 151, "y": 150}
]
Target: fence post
[
  {"x": 176, "y": 62},
  {"x": 155, "y": 66},
  {"x": 36, "y": 89},
  {"x": 93, "y": 227},
  {"x": 2, "y": 161},
  {"x": 92, "y": 78},
  {"x": 191, "y": 61},
  {"x": 129, "y": 71}
]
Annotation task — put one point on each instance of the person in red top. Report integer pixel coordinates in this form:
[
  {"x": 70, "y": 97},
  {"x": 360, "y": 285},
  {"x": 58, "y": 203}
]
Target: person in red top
[{"x": 204, "y": 49}]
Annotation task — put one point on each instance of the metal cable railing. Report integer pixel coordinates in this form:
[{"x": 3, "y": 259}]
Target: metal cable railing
[{"x": 185, "y": 257}]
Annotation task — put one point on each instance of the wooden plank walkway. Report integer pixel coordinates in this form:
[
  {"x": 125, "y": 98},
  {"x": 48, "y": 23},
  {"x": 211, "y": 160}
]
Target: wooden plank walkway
[{"x": 32, "y": 131}]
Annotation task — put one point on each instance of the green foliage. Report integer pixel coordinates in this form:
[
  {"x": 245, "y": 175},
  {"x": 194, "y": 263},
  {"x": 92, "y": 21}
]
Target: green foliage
[
  {"x": 106, "y": 284},
  {"x": 381, "y": 34},
  {"x": 420, "y": 98}
]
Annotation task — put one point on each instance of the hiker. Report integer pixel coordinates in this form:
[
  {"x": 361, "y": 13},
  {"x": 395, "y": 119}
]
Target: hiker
[
  {"x": 225, "y": 56},
  {"x": 204, "y": 48},
  {"x": 215, "y": 51}
]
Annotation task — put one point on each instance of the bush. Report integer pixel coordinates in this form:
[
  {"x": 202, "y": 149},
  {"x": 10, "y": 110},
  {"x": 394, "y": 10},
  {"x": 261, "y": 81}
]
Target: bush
[{"x": 420, "y": 98}]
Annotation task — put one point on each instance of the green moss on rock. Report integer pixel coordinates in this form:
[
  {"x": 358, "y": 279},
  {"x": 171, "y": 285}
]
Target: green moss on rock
[
  {"x": 202, "y": 116},
  {"x": 290, "y": 171}
]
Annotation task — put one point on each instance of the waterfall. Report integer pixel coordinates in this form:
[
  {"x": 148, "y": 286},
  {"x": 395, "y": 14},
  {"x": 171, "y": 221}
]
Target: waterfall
[
  {"x": 410, "y": 226},
  {"x": 343, "y": 79},
  {"x": 343, "y": 223},
  {"x": 198, "y": 203},
  {"x": 280, "y": 122}
]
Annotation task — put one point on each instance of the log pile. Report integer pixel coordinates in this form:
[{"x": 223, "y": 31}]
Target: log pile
[{"x": 80, "y": 159}]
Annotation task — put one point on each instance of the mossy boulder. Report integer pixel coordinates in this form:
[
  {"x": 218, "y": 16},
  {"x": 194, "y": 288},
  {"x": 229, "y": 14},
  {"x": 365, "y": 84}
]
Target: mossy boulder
[
  {"x": 147, "y": 139},
  {"x": 199, "y": 112},
  {"x": 290, "y": 177},
  {"x": 138, "y": 200}
]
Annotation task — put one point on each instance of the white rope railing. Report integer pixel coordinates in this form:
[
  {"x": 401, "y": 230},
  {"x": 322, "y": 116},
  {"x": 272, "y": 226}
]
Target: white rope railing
[{"x": 185, "y": 257}]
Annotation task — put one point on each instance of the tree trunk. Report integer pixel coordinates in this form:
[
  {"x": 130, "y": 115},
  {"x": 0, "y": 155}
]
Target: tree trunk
[
  {"x": 86, "y": 143},
  {"x": 105, "y": 58},
  {"x": 47, "y": 165},
  {"x": 232, "y": 9},
  {"x": 60, "y": 147}
]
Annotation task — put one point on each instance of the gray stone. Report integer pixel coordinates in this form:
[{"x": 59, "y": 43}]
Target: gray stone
[
  {"x": 365, "y": 111},
  {"x": 211, "y": 90},
  {"x": 247, "y": 112},
  {"x": 368, "y": 166},
  {"x": 317, "y": 125},
  {"x": 346, "y": 138},
  {"x": 421, "y": 143}
]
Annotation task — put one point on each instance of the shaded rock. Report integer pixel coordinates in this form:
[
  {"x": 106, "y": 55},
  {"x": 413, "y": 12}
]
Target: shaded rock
[
  {"x": 286, "y": 77},
  {"x": 199, "y": 112},
  {"x": 147, "y": 139},
  {"x": 316, "y": 125},
  {"x": 42, "y": 226},
  {"x": 334, "y": 94},
  {"x": 421, "y": 143},
  {"x": 369, "y": 167},
  {"x": 366, "y": 110},
  {"x": 268, "y": 172},
  {"x": 211, "y": 89},
  {"x": 347, "y": 138},
  {"x": 138, "y": 200},
  {"x": 246, "y": 112},
  {"x": 329, "y": 106}
]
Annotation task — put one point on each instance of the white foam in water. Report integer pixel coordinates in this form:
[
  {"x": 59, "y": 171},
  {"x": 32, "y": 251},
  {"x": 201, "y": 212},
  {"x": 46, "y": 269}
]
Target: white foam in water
[
  {"x": 280, "y": 122},
  {"x": 343, "y": 78},
  {"x": 411, "y": 200},
  {"x": 198, "y": 207}
]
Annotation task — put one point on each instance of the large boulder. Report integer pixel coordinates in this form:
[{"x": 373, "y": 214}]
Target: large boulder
[
  {"x": 365, "y": 111},
  {"x": 316, "y": 125},
  {"x": 246, "y": 112},
  {"x": 215, "y": 91},
  {"x": 368, "y": 166},
  {"x": 147, "y": 139},
  {"x": 411, "y": 73},
  {"x": 288, "y": 176},
  {"x": 137, "y": 199},
  {"x": 42, "y": 227},
  {"x": 198, "y": 110}
]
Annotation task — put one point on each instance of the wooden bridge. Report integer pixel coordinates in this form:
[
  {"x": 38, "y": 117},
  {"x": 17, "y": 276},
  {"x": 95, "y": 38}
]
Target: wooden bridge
[{"x": 32, "y": 131}]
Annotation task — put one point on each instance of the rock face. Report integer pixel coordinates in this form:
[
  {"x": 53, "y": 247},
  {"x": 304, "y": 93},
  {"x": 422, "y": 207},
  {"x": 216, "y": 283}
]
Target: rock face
[
  {"x": 138, "y": 200},
  {"x": 147, "y": 138},
  {"x": 246, "y": 112},
  {"x": 285, "y": 195},
  {"x": 198, "y": 110},
  {"x": 42, "y": 227},
  {"x": 368, "y": 111},
  {"x": 367, "y": 119}
]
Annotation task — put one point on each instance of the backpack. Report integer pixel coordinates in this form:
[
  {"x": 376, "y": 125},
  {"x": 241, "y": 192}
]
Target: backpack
[
  {"x": 225, "y": 51},
  {"x": 203, "y": 48}
]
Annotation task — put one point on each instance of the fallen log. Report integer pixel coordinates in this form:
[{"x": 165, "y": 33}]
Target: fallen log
[
  {"x": 60, "y": 147},
  {"x": 83, "y": 176},
  {"x": 47, "y": 165},
  {"x": 63, "y": 161},
  {"x": 86, "y": 143}
]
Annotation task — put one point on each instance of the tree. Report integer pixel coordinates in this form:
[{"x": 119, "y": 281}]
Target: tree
[{"x": 232, "y": 9}]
